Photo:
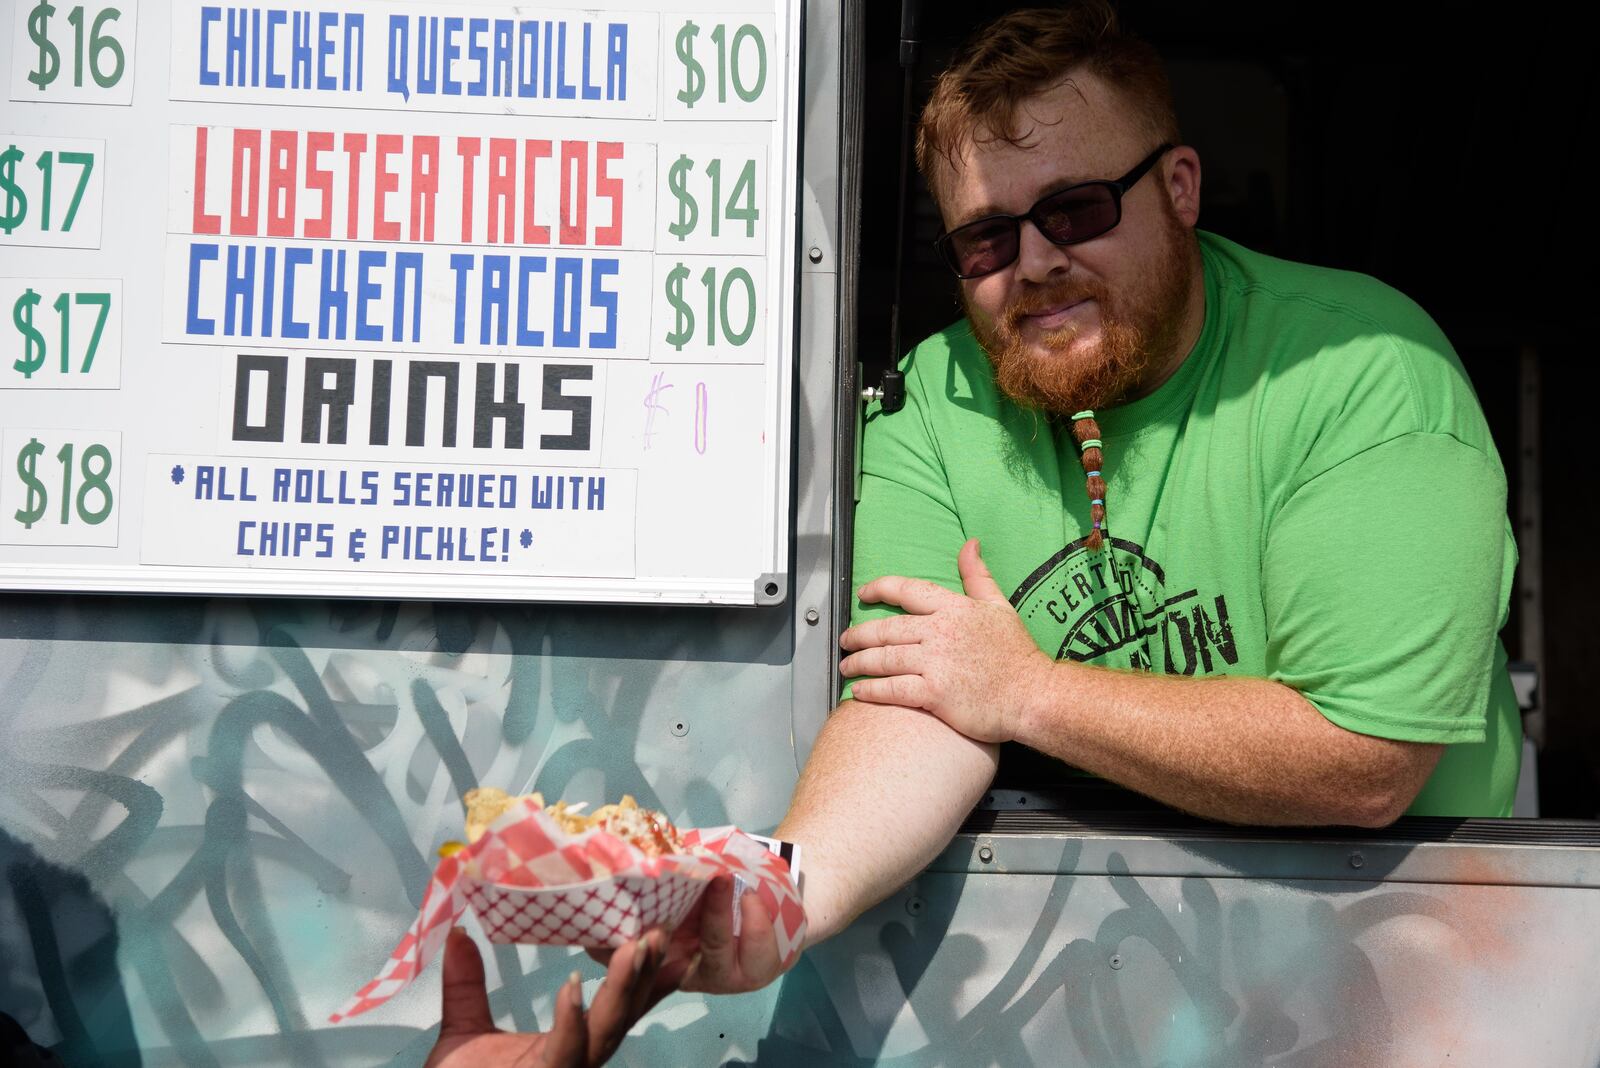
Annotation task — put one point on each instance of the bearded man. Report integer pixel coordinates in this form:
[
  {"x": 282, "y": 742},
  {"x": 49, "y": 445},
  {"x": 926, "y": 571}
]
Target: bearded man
[{"x": 1244, "y": 545}]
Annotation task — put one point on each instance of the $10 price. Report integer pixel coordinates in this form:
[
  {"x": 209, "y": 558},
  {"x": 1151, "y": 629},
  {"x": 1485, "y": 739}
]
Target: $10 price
[
  {"x": 79, "y": 480},
  {"x": 730, "y": 302},
  {"x": 738, "y": 62}
]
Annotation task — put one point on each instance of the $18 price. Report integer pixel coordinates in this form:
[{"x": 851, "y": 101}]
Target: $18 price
[{"x": 74, "y": 485}]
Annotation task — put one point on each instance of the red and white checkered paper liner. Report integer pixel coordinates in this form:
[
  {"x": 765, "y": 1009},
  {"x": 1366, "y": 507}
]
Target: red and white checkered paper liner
[
  {"x": 596, "y": 915},
  {"x": 531, "y": 883}
]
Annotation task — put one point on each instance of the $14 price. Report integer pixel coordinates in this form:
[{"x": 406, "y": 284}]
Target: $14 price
[
  {"x": 71, "y": 485},
  {"x": 723, "y": 202}
]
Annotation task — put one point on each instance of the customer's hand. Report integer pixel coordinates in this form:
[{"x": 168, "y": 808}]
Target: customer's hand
[{"x": 468, "y": 1037}]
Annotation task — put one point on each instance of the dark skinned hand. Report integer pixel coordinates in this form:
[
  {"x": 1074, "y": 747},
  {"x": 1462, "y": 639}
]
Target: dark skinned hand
[{"x": 468, "y": 1037}]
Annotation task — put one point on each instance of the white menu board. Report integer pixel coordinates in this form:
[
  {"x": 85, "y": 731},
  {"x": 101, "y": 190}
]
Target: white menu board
[{"x": 398, "y": 299}]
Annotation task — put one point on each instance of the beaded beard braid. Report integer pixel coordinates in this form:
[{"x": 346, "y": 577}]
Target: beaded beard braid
[{"x": 1069, "y": 381}]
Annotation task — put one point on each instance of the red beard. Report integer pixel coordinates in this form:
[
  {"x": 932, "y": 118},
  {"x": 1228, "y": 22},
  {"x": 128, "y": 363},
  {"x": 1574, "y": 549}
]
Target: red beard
[{"x": 1133, "y": 336}]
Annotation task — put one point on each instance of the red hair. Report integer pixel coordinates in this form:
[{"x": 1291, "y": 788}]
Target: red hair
[{"x": 1026, "y": 53}]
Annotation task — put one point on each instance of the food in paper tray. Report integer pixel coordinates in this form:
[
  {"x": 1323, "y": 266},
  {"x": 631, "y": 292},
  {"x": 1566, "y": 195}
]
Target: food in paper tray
[
  {"x": 560, "y": 876},
  {"x": 649, "y": 831}
]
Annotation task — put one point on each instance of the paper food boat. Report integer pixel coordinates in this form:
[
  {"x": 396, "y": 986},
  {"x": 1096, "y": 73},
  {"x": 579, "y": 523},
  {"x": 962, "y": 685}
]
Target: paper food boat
[{"x": 530, "y": 882}]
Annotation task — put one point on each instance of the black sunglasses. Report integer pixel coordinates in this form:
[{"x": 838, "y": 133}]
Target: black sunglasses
[{"x": 1064, "y": 217}]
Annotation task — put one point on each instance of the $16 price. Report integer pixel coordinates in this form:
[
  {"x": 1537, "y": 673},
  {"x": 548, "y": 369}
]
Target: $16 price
[
  {"x": 79, "y": 480},
  {"x": 95, "y": 48}
]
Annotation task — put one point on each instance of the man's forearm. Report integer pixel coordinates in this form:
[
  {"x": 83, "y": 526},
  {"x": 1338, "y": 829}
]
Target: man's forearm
[
  {"x": 1244, "y": 750},
  {"x": 883, "y": 792}
]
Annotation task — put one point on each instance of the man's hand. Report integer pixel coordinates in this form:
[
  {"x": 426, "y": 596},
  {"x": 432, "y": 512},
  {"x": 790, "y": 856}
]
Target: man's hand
[
  {"x": 468, "y": 1037},
  {"x": 729, "y": 963},
  {"x": 968, "y": 660},
  {"x": 705, "y": 955}
]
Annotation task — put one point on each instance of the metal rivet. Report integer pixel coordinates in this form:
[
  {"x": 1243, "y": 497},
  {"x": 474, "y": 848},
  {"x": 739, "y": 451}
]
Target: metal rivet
[
  {"x": 1116, "y": 960},
  {"x": 812, "y": 617},
  {"x": 815, "y": 254},
  {"x": 680, "y": 728},
  {"x": 914, "y": 906},
  {"x": 1357, "y": 860},
  {"x": 985, "y": 854}
]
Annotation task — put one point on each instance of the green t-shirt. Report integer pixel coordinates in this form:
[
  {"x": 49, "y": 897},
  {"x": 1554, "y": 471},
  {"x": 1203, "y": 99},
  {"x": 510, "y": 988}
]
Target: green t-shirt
[{"x": 1313, "y": 497}]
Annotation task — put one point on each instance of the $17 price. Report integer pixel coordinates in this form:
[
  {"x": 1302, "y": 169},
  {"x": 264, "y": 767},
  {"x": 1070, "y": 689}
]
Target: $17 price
[
  {"x": 15, "y": 183},
  {"x": 36, "y": 344}
]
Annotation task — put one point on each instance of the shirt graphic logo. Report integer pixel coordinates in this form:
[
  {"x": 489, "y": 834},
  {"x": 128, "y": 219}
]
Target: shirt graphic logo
[{"x": 1113, "y": 607}]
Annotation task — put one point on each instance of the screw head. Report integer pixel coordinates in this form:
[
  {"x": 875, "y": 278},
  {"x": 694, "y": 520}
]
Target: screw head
[
  {"x": 1357, "y": 860},
  {"x": 815, "y": 254},
  {"x": 985, "y": 854},
  {"x": 812, "y": 617}
]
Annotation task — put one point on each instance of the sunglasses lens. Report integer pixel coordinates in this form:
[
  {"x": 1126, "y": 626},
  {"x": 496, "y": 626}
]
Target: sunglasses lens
[
  {"x": 981, "y": 248},
  {"x": 1070, "y": 216},
  {"x": 1077, "y": 214}
]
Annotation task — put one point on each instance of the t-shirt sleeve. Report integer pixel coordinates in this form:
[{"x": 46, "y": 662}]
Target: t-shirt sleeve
[
  {"x": 1384, "y": 587},
  {"x": 906, "y": 522}
]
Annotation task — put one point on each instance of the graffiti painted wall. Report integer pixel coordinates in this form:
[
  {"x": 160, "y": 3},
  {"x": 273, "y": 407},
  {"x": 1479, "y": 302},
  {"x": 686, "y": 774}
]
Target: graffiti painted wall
[{"x": 220, "y": 815}]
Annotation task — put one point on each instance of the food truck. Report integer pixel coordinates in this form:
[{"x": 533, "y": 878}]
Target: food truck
[{"x": 399, "y": 397}]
